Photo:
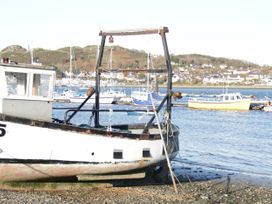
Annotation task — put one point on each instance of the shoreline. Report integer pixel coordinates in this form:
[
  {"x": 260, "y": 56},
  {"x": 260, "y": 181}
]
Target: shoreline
[
  {"x": 197, "y": 185},
  {"x": 222, "y": 190},
  {"x": 189, "y": 86}
]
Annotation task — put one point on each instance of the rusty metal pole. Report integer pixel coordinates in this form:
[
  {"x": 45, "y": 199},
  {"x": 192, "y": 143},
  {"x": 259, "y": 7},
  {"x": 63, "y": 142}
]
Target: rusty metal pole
[
  {"x": 169, "y": 68},
  {"x": 97, "y": 80}
]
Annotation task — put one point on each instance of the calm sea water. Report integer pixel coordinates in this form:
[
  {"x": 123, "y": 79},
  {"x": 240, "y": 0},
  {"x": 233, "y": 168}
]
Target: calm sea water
[{"x": 226, "y": 140}]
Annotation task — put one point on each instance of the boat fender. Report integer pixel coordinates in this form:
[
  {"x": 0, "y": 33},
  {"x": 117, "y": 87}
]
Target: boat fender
[
  {"x": 90, "y": 91},
  {"x": 177, "y": 95}
]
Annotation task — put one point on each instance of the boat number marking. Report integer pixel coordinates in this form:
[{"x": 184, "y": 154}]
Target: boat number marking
[{"x": 2, "y": 130}]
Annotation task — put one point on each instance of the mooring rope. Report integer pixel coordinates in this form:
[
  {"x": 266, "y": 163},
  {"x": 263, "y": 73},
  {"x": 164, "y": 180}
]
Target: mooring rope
[{"x": 164, "y": 146}]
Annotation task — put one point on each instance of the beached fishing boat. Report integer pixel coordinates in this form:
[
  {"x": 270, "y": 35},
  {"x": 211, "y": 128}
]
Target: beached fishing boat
[
  {"x": 226, "y": 101},
  {"x": 35, "y": 146}
]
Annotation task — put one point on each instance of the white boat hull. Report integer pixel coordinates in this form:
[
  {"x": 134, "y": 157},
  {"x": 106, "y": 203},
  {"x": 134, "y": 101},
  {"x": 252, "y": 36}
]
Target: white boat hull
[
  {"x": 238, "y": 105},
  {"x": 102, "y": 100},
  {"x": 31, "y": 152},
  {"x": 227, "y": 101},
  {"x": 267, "y": 108}
]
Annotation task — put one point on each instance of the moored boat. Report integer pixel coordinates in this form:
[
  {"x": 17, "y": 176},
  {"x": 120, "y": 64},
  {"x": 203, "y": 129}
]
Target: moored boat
[
  {"x": 35, "y": 146},
  {"x": 143, "y": 98},
  {"x": 267, "y": 107},
  {"x": 105, "y": 98},
  {"x": 226, "y": 101}
]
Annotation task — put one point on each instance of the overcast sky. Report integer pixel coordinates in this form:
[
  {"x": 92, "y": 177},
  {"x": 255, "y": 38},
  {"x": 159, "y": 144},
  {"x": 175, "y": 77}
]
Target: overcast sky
[{"x": 240, "y": 29}]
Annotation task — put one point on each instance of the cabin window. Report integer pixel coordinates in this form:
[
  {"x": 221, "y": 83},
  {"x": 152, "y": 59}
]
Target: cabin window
[
  {"x": 16, "y": 83},
  {"x": 232, "y": 98},
  {"x": 226, "y": 98},
  {"x": 41, "y": 85}
]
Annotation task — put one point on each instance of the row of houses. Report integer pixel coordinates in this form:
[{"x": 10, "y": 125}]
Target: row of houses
[
  {"x": 223, "y": 74},
  {"x": 252, "y": 78},
  {"x": 188, "y": 75}
]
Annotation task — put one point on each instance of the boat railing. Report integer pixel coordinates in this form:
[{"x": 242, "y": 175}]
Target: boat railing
[
  {"x": 90, "y": 93},
  {"x": 73, "y": 110}
]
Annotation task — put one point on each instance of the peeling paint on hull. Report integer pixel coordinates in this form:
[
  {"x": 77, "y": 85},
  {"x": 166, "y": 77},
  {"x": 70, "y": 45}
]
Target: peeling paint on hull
[{"x": 23, "y": 172}]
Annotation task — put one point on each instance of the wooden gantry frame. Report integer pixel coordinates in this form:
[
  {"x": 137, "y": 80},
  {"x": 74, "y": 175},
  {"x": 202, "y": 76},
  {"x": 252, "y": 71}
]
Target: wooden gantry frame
[{"x": 160, "y": 31}]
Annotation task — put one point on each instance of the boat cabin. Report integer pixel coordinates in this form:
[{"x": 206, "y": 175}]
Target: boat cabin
[
  {"x": 26, "y": 90},
  {"x": 230, "y": 97}
]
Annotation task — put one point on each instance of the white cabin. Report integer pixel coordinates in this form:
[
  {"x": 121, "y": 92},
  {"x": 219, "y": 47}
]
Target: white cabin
[{"x": 26, "y": 90}]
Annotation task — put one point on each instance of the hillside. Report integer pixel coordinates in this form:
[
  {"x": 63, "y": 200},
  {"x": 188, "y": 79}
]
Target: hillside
[
  {"x": 122, "y": 57},
  {"x": 197, "y": 59}
]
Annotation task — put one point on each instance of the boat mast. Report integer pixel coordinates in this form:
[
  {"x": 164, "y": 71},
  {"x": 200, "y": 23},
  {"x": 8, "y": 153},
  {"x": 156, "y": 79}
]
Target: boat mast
[
  {"x": 148, "y": 74},
  {"x": 110, "y": 67},
  {"x": 70, "y": 69}
]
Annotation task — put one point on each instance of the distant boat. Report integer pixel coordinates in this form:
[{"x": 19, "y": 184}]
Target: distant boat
[
  {"x": 105, "y": 98},
  {"x": 65, "y": 95},
  {"x": 143, "y": 98},
  {"x": 226, "y": 101},
  {"x": 268, "y": 107}
]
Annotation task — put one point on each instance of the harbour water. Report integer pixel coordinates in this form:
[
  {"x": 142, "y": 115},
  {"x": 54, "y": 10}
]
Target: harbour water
[{"x": 231, "y": 141}]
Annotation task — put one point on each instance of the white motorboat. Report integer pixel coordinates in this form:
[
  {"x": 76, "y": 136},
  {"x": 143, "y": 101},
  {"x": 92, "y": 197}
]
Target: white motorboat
[
  {"x": 226, "y": 101},
  {"x": 267, "y": 107},
  {"x": 105, "y": 98}
]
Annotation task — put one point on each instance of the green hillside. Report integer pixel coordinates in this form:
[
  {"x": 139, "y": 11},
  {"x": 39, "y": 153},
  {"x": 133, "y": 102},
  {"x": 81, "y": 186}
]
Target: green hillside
[{"x": 85, "y": 58}]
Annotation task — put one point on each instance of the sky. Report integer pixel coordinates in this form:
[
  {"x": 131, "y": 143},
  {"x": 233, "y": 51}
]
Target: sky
[{"x": 238, "y": 29}]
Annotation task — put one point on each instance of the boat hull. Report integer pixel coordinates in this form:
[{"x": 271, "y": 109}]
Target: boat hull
[
  {"x": 102, "y": 100},
  {"x": 267, "y": 108},
  {"x": 212, "y": 105},
  {"x": 31, "y": 152}
]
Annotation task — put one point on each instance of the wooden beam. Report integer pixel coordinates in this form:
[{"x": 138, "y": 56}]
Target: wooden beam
[{"x": 134, "y": 32}]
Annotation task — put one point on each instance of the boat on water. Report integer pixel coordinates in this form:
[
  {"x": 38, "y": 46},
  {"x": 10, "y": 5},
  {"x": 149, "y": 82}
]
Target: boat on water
[
  {"x": 145, "y": 98},
  {"x": 106, "y": 97},
  {"x": 226, "y": 101},
  {"x": 73, "y": 96},
  {"x": 268, "y": 106},
  {"x": 34, "y": 146}
]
